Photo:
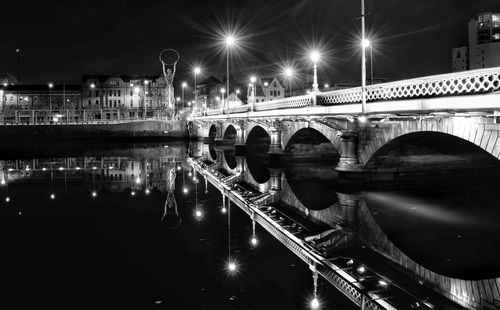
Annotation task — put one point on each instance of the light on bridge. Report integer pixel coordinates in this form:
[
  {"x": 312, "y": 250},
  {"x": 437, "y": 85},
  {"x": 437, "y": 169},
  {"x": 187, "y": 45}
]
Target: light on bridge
[
  {"x": 52, "y": 196},
  {"x": 185, "y": 190},
  {"x": 365, "y": 43},
  {"x": 2, "y": 182},
  {"x": 147, "y": 191},
  {"x": 7, "y": 199},
  {"x": 94, "y": 194},
  {"x": 223, "y": 210},
  {"x": 315, "y": 56},
  {"x": 362, "y": 119}
]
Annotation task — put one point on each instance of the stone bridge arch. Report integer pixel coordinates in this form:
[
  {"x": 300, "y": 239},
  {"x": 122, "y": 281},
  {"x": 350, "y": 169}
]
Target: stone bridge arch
[
  {"x": 471, "y": 129},
  {"x": 291, "y": 128}
]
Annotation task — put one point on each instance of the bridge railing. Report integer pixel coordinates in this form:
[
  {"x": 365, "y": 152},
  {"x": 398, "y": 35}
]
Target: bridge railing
[
  {"x": 285, "y": 103},
  {"x": 458, "y": 83}
]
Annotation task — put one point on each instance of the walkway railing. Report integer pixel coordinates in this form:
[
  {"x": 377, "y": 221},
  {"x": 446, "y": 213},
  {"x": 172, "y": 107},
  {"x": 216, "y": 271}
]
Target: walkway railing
[{"x": 452, "y": 84}]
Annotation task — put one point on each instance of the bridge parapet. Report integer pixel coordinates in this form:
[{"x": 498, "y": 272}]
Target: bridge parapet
[{"x": 467, "y": 82}]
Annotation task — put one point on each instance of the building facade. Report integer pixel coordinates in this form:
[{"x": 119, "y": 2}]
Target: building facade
[{"x": 483, "y": 50}]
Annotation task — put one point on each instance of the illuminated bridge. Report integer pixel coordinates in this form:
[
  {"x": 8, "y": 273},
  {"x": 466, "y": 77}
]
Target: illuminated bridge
[
  {"x": 458, "y": 108},
  {"x": 436, "y": 123}
]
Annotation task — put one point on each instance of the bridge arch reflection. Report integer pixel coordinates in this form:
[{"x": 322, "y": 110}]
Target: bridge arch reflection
[{"x": 309, "y": 142}]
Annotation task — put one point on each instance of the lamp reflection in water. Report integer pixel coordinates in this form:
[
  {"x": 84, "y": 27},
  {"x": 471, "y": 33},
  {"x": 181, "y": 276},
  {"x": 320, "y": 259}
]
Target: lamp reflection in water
[
  {"x": 52, "y": 194},
  {"x": 315, "y": 304},
  {"x": 198, "y": 213},
  {"x": 171, "y": 218},
  {"x": 223, "y": 209},
  {"x": 253, "y": 241},
  {"x": 232, "y": 263}
]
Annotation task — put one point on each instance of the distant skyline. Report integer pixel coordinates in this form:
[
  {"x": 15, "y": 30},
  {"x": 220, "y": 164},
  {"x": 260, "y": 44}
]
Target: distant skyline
[{"x": 60, "y": 40}]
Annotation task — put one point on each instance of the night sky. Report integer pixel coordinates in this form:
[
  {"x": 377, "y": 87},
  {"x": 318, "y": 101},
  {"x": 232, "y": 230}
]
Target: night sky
[{"x": 60, "y": 40}]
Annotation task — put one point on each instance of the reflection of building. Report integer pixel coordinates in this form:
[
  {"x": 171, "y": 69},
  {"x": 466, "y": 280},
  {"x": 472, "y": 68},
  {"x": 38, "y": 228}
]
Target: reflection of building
[
  {"x": 113, "y": 174},
  {"x": 483, "y": 50}
]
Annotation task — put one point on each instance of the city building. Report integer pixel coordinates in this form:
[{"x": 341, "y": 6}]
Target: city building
[
  {"x": 131, "y": 95},
  {"x": 54, "y": 97},
  {"x": 483, "y": 50}
]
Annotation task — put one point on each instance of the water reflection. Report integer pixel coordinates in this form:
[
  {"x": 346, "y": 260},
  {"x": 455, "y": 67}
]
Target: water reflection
[
  {"x": 445, "y": 233},
  {"x": 437, "y": 232}
]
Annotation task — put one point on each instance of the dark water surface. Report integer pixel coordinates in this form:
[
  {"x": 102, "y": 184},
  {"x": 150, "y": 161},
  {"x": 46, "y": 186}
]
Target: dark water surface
[{"x": 101, "y": 243}]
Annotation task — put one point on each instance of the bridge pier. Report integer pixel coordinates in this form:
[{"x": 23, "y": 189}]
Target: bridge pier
[
  {"x": 240, "y": 144},
  {"x": 275, "y": 180},
  {"x": 347, "y": 213},
  {"x": 275, "y": 147},
  {"x": 349, "y": 151}
]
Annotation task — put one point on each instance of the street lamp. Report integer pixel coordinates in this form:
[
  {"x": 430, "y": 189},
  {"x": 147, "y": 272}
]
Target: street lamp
[
  {"x": 253, "y": 80},
  {"x": 197, "y": 71},
  {"x": 184, "y": 85},
  {"x": 315, "y": 56},
  {"x": 289, "y": 74},
  {"x": 223, "y": 91},
  {"x": 230, "y": 41},
  {"x": 51, "y": 85},
  {"x": 364, "y": 44}
]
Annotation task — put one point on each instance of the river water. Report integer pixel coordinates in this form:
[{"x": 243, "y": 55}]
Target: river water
[{"x": 87, "y": 228}]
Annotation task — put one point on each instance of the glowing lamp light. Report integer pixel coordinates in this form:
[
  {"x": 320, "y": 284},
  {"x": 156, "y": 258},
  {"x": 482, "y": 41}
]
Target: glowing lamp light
[
  {"x": 51, "y": 85},
  {"x": 253, "y": 79},
  {"x": 231, "y": 266},
  {"x": 132, "y": 193},
  {"x": 288, "y": 72},
  {"x": 138, "y": 180},
  {"x": 315, "y": 303},
  {"x": 61, "y": 168},
  {"x": 44, "y": 169},
  {"x": 382, "y": 283},
  {"x": 92, "y": 85},
  {"x": 137, "y": 89},
  {"x": 327, "y": 85},
  {"x": 197, "y": 70},
  {"x": 178, "y": 99},
  {"x": 178, "y": 167},
  {"x": 237, "y": 91},
  {"x": 198, "y": 214},
  {"x": 266, "y": 84},
  {"x": 365, "y": 43},
  {"x": 147, "y": 191},
  {"x": 94, "y": 194},
  {"x": 2, "y": 182},
  {"x": 362, "y": 119},
  {"x": 94, "y": 167},
  {"x": 52, "y": 196},
  {"x": 315, "y": 56},
  {"x": 190, "y": 174},
  {"x": 361, "y": 269},
  {"x": 7, "y": 199},
  {"x": 223, "y": 210},
  {"x": 230, "y": 40},
  {"x": 77, "y": 168},
  {"x": 185, "y": 190},
  {"x": 223, "y": 90},
  {"x": 184, "y": 84}
]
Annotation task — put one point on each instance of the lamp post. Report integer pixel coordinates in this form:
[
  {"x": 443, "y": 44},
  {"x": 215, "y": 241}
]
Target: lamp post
[
  {"x": 289, "y": 74},
  {"x": 197, "y": 71},
  {"x": 18, "y": 57},
  {"x": 51, "y": 85},
  {"x": 364, "y": 44},
  {"x": 184, "y": 85},
  {"x": 146, "y": 82},
  {"x": 230, "y": 41},
  {"x": 315, "y": 58},
  {"x": 253, "y": 80},
  {"x": 223, "y": 91}
]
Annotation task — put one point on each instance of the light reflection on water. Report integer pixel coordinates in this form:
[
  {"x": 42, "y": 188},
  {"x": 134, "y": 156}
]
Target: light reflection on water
[{"x": 103, "y": 239}]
